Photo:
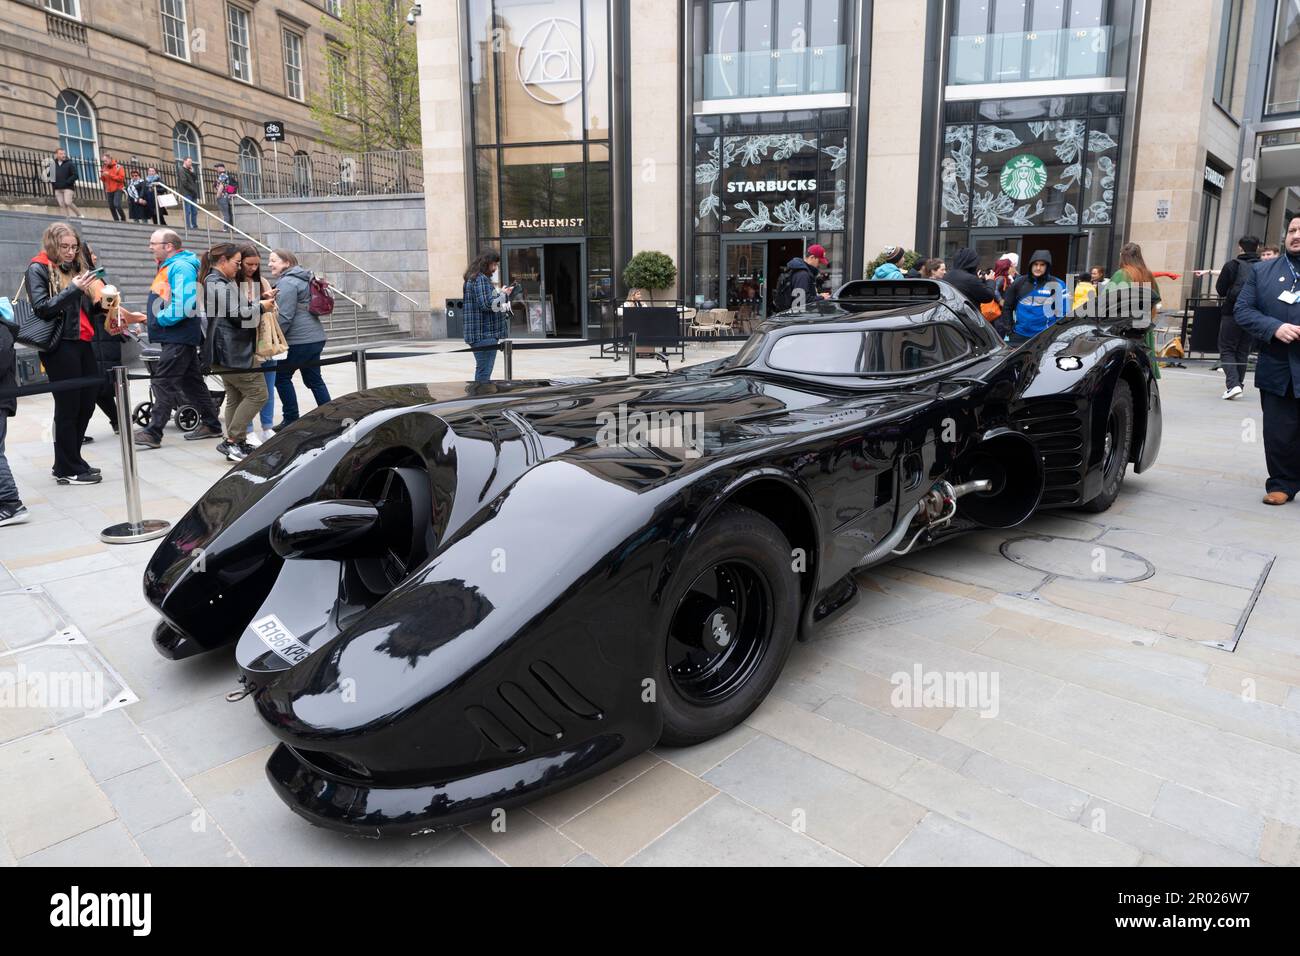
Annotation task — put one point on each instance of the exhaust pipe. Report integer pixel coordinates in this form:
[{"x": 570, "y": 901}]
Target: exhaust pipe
[{"x": 936, "y": 509}]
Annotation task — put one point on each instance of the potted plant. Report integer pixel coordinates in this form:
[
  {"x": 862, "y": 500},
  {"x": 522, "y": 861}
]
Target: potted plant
[{"x": 650, "y": 270}]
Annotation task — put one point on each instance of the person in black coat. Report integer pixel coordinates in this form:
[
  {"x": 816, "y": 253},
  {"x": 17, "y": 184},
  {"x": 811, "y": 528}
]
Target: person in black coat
[
  {"x": 12, "y": 510},
  {"x": 962, "y": 277},
  {"x": 1234, "y": 341},
  {"x": 57, "y": 281},
  {"x": 1268, "y": 308}
]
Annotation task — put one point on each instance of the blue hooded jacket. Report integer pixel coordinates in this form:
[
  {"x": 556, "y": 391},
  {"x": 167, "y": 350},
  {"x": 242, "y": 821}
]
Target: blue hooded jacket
[
  {"x": 174, "y": 310},
  {"x": 1038, "y": 302}
]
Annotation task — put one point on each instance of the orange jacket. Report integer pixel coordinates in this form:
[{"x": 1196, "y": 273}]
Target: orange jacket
[{"x": 113, "y": 177}]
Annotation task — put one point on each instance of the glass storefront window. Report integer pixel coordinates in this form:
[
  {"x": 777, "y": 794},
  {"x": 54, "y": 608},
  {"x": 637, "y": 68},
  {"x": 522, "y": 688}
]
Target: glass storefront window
[
  {"x": 1013, "y": 41},
  {"x": 485, "y": 190},
  {"x": 1036, "y": 173},
  {"x": 1284, "y": 73},
  {"x": 764, "y": 189},
  {"x": 543, "y": 191},
  {"x": 771, "y": 47}
]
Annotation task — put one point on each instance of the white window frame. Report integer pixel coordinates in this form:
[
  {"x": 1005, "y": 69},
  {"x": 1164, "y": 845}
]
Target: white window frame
[
  {"x": 165, "y": 16},
  {"x": 333, "y": 7},
  {"x": 235, "y": 12},
  {"x": 337, "y": 71},
  {"x": 198, "y": 151},
  {"x": 285, "y": 35},
  {"x": 57, "y": 8},
  {"x": 83, "y": 163},
  {"x": 250, "y": 174}
]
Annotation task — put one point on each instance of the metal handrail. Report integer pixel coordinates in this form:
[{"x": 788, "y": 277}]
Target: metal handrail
[
  {"x": 326, "y": 249},
  {"x": 257, "y": 242}
]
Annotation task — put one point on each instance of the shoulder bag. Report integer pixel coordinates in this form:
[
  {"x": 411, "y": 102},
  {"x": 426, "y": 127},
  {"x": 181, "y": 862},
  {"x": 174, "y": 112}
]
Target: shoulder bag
[{"x": 41, "y": 334}]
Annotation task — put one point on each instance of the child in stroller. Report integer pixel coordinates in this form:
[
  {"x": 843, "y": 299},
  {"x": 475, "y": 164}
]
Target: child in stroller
[{"x": 186, "y": 417}]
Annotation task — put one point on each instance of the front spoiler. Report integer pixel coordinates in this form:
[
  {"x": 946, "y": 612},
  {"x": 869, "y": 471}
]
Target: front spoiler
[{"x": 330, "y": 800}]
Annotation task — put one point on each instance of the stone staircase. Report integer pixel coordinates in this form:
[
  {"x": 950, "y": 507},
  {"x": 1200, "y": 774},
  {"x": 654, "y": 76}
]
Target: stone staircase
[{"x": 123, "y": 251}]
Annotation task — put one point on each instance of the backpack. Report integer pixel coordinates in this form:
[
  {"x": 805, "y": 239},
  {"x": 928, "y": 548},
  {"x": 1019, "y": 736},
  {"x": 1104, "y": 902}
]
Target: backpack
[
  {"x": 783, "y": 297},
  {"x": 322, "y": 300}
]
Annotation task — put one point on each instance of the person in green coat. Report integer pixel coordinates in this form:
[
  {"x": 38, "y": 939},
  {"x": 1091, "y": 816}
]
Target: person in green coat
[{"x": 1133, "y": 271}]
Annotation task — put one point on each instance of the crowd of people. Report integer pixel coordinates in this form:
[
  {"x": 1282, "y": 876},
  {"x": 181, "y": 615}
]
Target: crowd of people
[
  {"x": 138, "y": 194},
  {"x": 205, "y": 314}
]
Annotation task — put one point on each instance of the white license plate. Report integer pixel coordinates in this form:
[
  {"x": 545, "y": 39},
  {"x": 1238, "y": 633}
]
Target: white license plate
[{"x": 271, "y": 631}]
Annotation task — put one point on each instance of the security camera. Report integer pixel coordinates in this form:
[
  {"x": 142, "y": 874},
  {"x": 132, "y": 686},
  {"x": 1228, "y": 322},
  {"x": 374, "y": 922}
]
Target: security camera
[{"x": 412, "y": 14}]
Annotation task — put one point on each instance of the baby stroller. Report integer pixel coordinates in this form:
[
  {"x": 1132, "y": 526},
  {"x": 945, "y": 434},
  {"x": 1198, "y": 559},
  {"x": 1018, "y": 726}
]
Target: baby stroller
[{"x": 186, "y": 417}]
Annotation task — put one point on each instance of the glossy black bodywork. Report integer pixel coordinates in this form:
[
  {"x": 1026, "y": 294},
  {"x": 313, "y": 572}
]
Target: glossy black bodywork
[{"x": 508, "y": 653}]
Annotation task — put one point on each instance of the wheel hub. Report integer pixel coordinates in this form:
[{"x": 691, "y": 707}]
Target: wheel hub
[{"x": 719, "y": 630}]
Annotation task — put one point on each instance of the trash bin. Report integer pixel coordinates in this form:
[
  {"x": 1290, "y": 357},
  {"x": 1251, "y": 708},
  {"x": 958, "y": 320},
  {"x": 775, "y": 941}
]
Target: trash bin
[
  {"x": 455, "y": 318},
  {"x": 1207, "y": 316}
]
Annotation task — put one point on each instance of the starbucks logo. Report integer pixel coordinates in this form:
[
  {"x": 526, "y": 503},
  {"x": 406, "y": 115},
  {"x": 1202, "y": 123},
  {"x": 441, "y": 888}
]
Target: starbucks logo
[{"x": 1023, "y": 177}]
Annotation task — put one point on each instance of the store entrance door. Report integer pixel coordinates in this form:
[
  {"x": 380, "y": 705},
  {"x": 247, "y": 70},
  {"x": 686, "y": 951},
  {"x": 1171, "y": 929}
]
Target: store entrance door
[
  {"x": 744, "y": 280},
  {"x": 548, "y": 298}
]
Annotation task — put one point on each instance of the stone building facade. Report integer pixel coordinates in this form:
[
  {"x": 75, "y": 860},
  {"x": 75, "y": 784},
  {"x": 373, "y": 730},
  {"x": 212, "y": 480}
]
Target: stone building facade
[{"x": 160, "y": 79}]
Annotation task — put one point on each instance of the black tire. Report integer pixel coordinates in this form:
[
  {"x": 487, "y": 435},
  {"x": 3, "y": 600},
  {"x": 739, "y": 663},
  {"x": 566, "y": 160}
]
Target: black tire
[
  {"x": 735, "y": 612},
  {"x": 187, "y": 418},
  {"x": 1119, "y": 445},
  {"x": 142, "y": 414}
]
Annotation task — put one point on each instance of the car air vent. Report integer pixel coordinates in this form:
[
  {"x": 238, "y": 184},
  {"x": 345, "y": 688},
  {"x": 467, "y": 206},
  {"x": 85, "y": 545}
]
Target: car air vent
[
  {"x": 564, "y": 692},
  {"x": 529, "y": 710},
  {"x": 497, "y": 733},
  {"x": 1056, "y": 429}
]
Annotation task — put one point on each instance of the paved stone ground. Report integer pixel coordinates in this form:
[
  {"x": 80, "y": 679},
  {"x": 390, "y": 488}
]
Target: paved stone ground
[{"x": 1119, "y": 729}]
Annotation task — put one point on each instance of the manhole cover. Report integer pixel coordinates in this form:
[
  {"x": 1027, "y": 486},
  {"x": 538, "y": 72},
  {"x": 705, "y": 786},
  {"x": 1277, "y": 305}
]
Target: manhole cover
[{"x": 1079, "y": 560}]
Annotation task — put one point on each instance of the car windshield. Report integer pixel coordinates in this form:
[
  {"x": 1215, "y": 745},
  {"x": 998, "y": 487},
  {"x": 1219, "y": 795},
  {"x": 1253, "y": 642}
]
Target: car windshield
[{"x": 869, "y": 352}]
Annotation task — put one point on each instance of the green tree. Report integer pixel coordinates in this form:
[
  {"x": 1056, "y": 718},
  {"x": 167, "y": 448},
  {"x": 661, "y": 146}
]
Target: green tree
[
  {"x": 378, "y": 86},
  {"x": 649, "y": 270}
]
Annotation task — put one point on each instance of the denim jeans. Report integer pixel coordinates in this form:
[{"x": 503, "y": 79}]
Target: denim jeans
[
  {"x": 484, "y": 361},
  {"x": 8, "y": 487},
  {"x": 267, "y": 414},
  {"x": 191, "y": 215},
  {"x": 311, "y": 377}
]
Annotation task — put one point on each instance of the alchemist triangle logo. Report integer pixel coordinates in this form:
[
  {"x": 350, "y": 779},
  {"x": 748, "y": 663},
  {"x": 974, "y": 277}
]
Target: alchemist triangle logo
[{"x": 549, "y": 63}]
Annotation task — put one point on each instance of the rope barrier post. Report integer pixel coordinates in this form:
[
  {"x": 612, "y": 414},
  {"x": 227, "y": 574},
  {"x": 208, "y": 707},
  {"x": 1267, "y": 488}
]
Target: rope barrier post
[
  {"x": 631, "y": 356},
  {"x": 135, "y": 528},
  {"x": 362, "y": 381},
  {"x": 508, "y": 357}
]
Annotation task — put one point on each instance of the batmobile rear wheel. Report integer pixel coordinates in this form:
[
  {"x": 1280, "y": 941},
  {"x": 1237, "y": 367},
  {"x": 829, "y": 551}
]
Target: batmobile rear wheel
[
  {"x": 1117, "y": 448},
  {"x": 735, "y": 605}
]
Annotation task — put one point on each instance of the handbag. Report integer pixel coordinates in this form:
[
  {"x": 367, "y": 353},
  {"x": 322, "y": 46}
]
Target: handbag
[
  {"x": 991, "y": 311},
  {"x": 270, "y": 337},
  {"x": 41, "y": 334}
]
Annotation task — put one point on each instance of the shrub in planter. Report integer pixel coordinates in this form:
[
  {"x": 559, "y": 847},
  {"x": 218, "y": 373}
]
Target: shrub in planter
[{"x": 650, "y": 270}]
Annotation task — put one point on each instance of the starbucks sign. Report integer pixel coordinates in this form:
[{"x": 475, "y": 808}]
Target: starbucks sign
[{"x": 1023, "y": 177}]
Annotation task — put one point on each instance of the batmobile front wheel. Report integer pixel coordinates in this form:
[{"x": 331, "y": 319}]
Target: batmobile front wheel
[
  {"x": 735, "y": 603},
  {"x": 1118, "y": 446}
]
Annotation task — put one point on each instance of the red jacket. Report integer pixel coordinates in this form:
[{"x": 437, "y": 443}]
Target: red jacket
[{"x": 113, "y": 177}]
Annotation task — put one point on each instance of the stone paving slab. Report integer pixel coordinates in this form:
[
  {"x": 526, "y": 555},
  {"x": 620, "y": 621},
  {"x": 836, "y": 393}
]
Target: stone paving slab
[{"x": 1118, "y": 735}]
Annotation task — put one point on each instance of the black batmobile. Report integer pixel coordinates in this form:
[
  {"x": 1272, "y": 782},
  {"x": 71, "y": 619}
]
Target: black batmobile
[{"x": 448, "y": 599}]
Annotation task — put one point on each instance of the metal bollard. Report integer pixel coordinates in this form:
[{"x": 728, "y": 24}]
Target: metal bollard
[
  {"x": 135, "y": 528},
  {"x": 360, "y": 356},
  {"x": 631, "y": 355},
  {"x": 508, "y": 358}
]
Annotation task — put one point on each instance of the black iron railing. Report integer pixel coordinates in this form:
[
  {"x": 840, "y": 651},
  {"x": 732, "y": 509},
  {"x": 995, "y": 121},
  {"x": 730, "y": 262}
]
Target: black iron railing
[{"x": 28, "y": 174}]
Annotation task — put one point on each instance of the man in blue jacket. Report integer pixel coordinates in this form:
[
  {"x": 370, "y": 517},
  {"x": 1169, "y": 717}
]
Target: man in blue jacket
[
  {"x": 176, "y": 322},
  {"x": 1036, "y": 299},
  {"x": 1269, "y": 308}
]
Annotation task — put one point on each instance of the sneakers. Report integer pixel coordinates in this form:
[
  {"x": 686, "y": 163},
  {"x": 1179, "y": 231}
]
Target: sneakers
[
  {"x": 1232, "y": 393},
  {"x": 203, "y": 431},
  {"x": 84, "y": 478},
  {"x": 144, "y": 439},
  {"x": 13, "y": 514},
  {"x": 234, "y": 450}
]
